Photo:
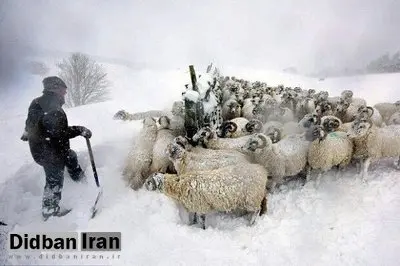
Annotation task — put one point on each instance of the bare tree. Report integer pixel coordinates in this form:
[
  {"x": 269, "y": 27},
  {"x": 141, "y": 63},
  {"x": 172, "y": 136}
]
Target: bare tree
[{"x": 86, "y": 80}]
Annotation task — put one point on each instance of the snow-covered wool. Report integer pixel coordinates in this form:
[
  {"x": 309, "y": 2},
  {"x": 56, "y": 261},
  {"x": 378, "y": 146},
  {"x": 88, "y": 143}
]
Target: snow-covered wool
[
  {"x": 288, "y": 157},
  {"x": 198, "y": 159},
  {"x": 209, "y": 139},
  {"x": 328, "y": 149},
  {"x": 372, "y": 143},
  {"x": 227, "y": 189},
  {"x": 137, "y": 165},
  {"x": 160, "y": 162}
]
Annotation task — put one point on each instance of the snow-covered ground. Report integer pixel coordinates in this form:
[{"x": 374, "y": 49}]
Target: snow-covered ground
[{"x": 341, "y": 222}]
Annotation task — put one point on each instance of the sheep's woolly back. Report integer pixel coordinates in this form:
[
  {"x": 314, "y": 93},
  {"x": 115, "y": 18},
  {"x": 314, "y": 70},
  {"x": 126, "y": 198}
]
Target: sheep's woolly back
[
  {"x": 287, "y": 157},
  {"x": 216, "y": 143},
  {"x": 225, "y": 189},
  {"x": 207, "y": 159},
  {"x": 378, "y": 143},
  {"x": 139, "y": 159},
  {"x": 335, "y": 149}
]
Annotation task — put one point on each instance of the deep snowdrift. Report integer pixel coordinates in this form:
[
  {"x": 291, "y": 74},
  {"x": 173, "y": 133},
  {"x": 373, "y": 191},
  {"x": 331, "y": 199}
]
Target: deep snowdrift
[{"x": 341, "y": 222}]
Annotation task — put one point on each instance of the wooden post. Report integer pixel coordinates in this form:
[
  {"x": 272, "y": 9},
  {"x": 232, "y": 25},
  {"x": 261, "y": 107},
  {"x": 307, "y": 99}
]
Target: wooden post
[
  {"x": 193, "y": 78},
  {"x": 192, "y": 109}
]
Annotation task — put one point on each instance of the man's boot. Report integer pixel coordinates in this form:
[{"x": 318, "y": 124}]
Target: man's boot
[{"x": 57, "y": 212}]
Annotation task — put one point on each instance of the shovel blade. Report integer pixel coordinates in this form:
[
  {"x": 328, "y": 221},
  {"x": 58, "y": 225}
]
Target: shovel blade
[{"x": 94, "y": 209}]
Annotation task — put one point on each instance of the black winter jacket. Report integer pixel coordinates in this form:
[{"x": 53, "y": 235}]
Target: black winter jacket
[{"x": 48, "y": 130}]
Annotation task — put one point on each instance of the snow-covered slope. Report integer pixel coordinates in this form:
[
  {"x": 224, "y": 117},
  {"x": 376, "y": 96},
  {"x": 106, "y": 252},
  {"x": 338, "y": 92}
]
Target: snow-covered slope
[{"x": 342, "y": 222}]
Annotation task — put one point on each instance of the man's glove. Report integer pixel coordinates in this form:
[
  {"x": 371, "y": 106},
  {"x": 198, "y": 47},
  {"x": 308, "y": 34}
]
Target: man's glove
[
  {"x": 121, "y": 115},
  {"x": 85, "y": 132},
  {"x": 24, "y": 136}
]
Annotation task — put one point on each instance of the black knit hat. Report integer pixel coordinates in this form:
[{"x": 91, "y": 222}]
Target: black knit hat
[{"x": 53, "y": 83}]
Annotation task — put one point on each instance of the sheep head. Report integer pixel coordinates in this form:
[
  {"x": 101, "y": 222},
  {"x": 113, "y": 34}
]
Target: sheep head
[
  {"x": 203, "y": 135},
  {"x": 365, "y": 112},
  {"x": 253, "y": 126},
  {"x": 233, "y": 108},
  {"x": 359, "y": 128},
  {"x": 155, "y": 182},
  {"x": 323, "y": 108},
  {"x": 178, "y": 108},
  {"x": 175, "y": 151},
  {"x": 257, "y": 141},
  {"x": 330, "y": 123},
  {"x": 309, "y": 120},
  {"x": 182, "y": 141},
  {"x": 346, "y": 94},
  {"x": 226, "y": 129},
  {"x": 164, "y": 121},
  {"x": 342, "y": 106},
  {"x": 315, "y": 132},
  {"x": 274, "y": 133}
]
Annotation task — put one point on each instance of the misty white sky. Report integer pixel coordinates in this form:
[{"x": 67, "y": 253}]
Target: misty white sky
[{"x": 307, "y": 34}]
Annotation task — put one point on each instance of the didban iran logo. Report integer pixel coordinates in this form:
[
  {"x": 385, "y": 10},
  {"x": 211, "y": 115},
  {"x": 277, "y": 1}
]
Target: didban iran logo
[{"x": 65, "y": 241}]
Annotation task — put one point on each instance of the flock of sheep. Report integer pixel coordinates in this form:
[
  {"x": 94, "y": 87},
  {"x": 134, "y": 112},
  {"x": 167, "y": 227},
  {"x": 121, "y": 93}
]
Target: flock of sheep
[{"x": 265, "y": 135}]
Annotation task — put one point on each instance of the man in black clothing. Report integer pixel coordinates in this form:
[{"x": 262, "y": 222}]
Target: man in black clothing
[{"x": 48, "y": 134}]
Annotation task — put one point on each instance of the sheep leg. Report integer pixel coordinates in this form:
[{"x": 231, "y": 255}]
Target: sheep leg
[
  {"x": 318, "y": 179},
  {"x": 364, "y": 176},
  {"x": 398, "y": 164},
  {"x": 264, "y": 204},
  {"x": 192, "y": 218},
  {"x": 201, "y": 219},
  {"x": 308, "y": 173},
  {"x": 358, "y": 166},
  {"x": 253, "y": 216}
]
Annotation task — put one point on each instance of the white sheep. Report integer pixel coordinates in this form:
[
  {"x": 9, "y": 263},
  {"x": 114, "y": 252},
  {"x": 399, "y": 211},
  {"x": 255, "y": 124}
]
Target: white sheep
[
  {"x": 372, "y": 143},
  {"x": 287, "y": 157},
  {"x": 197, "y": 159},
  {"x": 328, "y": 149},
  {"x": 228, "y": 189},
  {"x": 368, "y": 112},
  {"x": 137, "y": 165},
  {"x": 160, "y": 162}
]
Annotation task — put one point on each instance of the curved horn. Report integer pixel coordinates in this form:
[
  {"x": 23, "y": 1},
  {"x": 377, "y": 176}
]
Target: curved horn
[
  {"x": 264, "y": 140},
  {"x": 254, "y": 125},
  {"x": 182, "y": 141},
  {"x": 231, "y": 126},
  {"x": 372, "y": 111},
  {"x": 275, "y": 135}
]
